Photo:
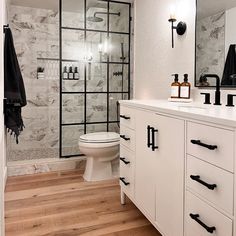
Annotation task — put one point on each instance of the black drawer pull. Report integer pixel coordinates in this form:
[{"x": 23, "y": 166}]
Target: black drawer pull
[
  {"x": 123, "y": 159},
  {"x": 125, "y": 117},
  {"x": 198, "y": 142},
  {"x": 207, "y": 228},
  {"x": 153, "y": 139},
  {"x": 148, "y": 136},
  {"x": 198, "y": 179},
  {"x": 124, "y": 137},
  {"x": 124, "y": 182}
]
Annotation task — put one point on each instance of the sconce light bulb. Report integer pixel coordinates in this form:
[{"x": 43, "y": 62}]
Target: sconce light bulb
[{"x": 172, "y": 12}]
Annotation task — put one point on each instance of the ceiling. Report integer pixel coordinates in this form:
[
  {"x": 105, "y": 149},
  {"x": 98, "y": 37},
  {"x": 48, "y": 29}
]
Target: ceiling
[
  {"x": 68, "y": 5},
  {"x": 210, "y": 7}
]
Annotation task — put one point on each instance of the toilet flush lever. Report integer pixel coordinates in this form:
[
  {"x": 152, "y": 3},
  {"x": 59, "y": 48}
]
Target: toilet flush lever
[{"x": 124, "y": 137}]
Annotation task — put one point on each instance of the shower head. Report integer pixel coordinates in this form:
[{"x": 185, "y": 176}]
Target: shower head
[{"x": 95, "y": 18}]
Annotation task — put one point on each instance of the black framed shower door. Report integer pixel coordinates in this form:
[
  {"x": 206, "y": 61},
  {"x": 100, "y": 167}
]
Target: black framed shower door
[{"x": 84, "y": 105}]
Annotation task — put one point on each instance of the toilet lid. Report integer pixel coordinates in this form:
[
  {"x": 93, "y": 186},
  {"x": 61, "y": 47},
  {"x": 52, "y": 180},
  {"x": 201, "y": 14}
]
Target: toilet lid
[{"x": 100, "y": 137}]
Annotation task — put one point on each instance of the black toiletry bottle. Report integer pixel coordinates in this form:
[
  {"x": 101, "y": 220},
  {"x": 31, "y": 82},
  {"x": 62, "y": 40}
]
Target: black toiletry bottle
[
  {"x": 185, "y": 88},
  {"x": 71, "y": 74},
  {"x": 65, "y": 73},
  {"x": 76, "y": 73},
  {"x": 175, "y": 87}
]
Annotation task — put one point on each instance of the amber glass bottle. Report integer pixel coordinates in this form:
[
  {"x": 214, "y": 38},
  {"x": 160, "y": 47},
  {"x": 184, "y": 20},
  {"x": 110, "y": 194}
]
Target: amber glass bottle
[
  {"x": 175, "y": 87},
  {"x": 185, "y": 88}
]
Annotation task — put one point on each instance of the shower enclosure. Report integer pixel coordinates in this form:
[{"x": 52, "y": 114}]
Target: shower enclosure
[{"x": 95, "y": 38}]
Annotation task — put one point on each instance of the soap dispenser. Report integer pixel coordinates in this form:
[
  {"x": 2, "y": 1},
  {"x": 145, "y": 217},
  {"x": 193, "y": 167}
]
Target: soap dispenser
[
  {"x": 175, "y": 87},
  {"x": 185, "y": 88}
]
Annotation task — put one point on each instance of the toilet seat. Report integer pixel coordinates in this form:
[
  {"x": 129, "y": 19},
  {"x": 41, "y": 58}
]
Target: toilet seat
[{"x": 100, "y": 137}]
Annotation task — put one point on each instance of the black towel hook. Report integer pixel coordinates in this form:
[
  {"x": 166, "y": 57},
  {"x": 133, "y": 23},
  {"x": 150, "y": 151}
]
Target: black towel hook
[{"x": 5, "y": 27}]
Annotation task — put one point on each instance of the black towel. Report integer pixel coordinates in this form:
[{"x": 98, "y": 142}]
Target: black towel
[
  {"x": 14, "y": 89},
  {"x": 230, "y": 66}
]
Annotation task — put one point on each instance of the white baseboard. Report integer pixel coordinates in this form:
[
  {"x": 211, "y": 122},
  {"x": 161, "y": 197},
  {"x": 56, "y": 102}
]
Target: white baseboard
[{"x": 17, "y": 168}]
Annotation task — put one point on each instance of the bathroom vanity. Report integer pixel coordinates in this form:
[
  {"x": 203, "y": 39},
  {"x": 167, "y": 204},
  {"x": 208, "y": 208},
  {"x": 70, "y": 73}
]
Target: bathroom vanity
[{"x": 177, "y": 165}]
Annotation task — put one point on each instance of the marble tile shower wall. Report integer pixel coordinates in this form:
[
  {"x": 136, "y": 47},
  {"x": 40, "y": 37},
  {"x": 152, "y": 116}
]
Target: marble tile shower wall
[
  {"x": 35, "y": 33},
  {"x": 210, "y": 44},
  {"x": 36, "y": 36}
]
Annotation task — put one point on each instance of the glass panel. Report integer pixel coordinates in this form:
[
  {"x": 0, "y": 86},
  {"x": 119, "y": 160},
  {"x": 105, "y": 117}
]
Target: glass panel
[
  {"x": 72, "y": 108},
  {"x": 96, "y": 128},
  {"x": 113, "y": 127},
  {"x": 96, "y": 107},
  {"x": 96, "y": 77},
  {"x": 77, "y": 83},
  {"x": 113, "y": 113},
  {"x": 96, "y": 46},
  {"x": 73, "y": 45},
  {"x": 70, "y": 138},
  {"x": 119, "y": 23},
  {"x": 119, "y": 48},
  {"x": 96, "y": 15},
  {"x": 73, "y": 13},
  {"x": 119, "y": 77}
]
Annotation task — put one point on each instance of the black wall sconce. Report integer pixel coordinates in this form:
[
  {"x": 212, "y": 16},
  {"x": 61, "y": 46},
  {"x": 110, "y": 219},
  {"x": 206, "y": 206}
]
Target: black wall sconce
[{"x": 180, "y": 28}]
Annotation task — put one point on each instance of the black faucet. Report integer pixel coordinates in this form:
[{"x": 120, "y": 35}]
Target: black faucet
[{"x": 217, "y": 92}]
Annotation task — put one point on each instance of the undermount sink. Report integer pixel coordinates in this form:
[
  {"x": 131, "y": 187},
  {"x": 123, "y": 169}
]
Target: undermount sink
[{"x": 193, "y": 108}]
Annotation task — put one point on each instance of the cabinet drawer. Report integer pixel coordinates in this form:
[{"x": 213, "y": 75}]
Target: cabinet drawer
[
  {"x": 222, "y": 194},
  {"x": 211, "y": 144},
  {"x": 127, "y": 117},
  {"x": 127, "y": 137},
  {"x": 207, "y": 215},
  {"x": 127, "y": 172}
]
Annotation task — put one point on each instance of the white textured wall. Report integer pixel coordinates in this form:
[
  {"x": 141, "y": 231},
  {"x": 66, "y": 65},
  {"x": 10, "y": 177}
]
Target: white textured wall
[
  {"x": 2, "y": 133},
  {"x": 155, "y": 60}
]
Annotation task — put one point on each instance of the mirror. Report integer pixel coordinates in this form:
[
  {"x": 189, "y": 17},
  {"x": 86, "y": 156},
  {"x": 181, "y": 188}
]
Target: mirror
[{"x": 216, "y": 42}]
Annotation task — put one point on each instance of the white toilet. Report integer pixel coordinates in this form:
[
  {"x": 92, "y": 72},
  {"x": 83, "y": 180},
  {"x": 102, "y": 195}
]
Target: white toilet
[{"x": 100, "y": 148}]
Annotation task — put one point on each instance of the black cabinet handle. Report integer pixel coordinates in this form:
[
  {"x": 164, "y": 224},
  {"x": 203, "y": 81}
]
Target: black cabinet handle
[
  {"x": 198, "y": 142},
  {"x": 123, "y": 160},
  {"x": 125, "y": 117},
  {"x": 124, "y": 182},
  {"x": 207, "y": 228},
  {"x": 198, "y": 179},
  {"x": 124, "y": 137},
  {"x": 154, "y": 131},
  {"x": 148, "y": 136}
]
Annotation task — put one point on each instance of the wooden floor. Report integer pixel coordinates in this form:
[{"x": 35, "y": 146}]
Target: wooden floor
[{"x": 62, "y": 204}]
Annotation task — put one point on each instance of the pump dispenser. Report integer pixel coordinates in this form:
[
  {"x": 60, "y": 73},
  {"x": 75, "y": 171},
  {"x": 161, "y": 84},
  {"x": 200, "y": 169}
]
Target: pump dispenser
[
  {"x": 185, "y": 88},
  {"x": 175, "y": 87}
]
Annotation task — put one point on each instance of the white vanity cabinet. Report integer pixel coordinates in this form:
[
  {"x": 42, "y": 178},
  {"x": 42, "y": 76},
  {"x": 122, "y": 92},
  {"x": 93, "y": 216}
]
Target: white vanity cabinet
[
  {"x": 159, "y": 169},
  {"x": 180, "y": 167}
]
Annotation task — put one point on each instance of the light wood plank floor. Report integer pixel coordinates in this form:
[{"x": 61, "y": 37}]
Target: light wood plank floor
[{"x": 62, "y": 204}]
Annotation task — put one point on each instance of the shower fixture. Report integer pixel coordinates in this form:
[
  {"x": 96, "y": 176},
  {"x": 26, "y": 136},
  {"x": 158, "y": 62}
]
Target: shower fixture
[{"x": 95, "y": 18}]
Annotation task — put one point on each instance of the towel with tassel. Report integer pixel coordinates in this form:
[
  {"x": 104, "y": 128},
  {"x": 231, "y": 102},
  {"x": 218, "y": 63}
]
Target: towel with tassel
[{"x": 14, "y": 89}]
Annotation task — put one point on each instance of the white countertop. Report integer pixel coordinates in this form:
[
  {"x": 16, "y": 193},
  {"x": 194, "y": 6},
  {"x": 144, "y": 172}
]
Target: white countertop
[{"x": 220, "y": 115}]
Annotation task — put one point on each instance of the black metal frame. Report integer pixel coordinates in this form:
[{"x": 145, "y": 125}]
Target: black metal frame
[
  {"x": 108, "y": 62},
  {"x": 195, "y": 61}
]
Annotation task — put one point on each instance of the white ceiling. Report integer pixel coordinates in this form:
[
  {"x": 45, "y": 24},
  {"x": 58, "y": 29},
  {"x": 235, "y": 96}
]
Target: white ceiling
[
  {"x": 210, "y": 7},
  {"x": 68, "y": 5}
]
